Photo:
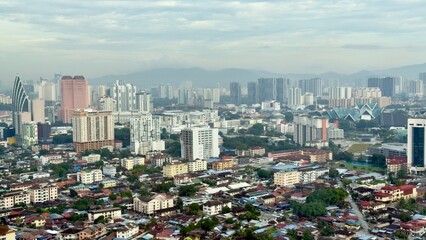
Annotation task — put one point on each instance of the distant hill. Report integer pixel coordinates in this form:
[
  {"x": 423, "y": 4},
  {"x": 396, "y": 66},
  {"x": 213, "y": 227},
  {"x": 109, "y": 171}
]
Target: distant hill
[{"x": 213, "y": 78}]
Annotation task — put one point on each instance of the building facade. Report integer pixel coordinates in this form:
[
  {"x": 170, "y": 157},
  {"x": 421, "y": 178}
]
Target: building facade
[
  {"x": 199, "y": 142},
  {"x": 145, "y": 133},
  {"x": 92, "y": 130},
  {"x": 74, "y": 94},
  {"x": 416, "y": 136},
  {"x": 125, "y": 95}
]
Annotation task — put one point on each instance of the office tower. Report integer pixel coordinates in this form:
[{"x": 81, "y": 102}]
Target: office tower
[
  {"x": 107, "y": 103},
  {"x": 310, "y": 131},
  {"x": 339, "y": 92},
  {"x": 92, "y": 97},
  {"x": 37, "y": 110},
  {"x": 165, "y": 91},
  {"x": 21, "y": 106},
  {"x": 390, "y": 86},
  {"x": 267, "y": 89},
  {"x": 74, "y": 94},
  {"x": 47, "y": 92},
  {"x": 57, "y": 80},
  {"x": 143, "y": 102},
  {"x": 294, "y": 97},
  {"x": 313, "y": 85},
  {"x": 102, "y": 90},
  {"x": 187, "y": 97},
  {"x": 29, "y": 134},
  {"x": 145, "y": 133},
  {"x": 125, "y": 95},
  {"x": 199, "y": 143},
  {"x": 252, "y": 93},
  {"x": 43, "y": 131},
  {"x": 415, "y": 88},
  {"x": 283, "y": 85},
  {"x": 92, "y": 130},
  {"x": 422, "y": 77},
  {"x": 416, "y": 154},
  {"x": 308, "y": 99},
  {"x": 235, "y": 89}
]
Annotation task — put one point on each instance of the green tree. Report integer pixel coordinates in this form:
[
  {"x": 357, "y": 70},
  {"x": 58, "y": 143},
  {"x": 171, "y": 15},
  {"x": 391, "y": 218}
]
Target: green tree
[
  {"x": 288, "y": 117},
  {"x": 257, "y": 129},
  {"x": 264, "y": 174},
  {"x": 62, "y": 139},
  {"x": 378, "y": 159},
  {"x": 100, "y": 219},
  {"x": 194, "y": 209},
  {"x": 187, "y": 191},
  {"x": 307, "y": 235},
  {"x": 207, "y": 224},
  {"x": 163, "y": 187},
  {"x": 401, "y": 235},
  {"x": 83, "y": 204},
  {"x": 112, "y": 197},
  {"x": 333, "y": 173},
  {"x": 43, "y": 152}
]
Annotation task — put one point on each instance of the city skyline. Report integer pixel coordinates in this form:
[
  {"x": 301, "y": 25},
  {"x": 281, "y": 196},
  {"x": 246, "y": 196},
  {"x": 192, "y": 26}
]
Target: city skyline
[{"x": 100, "y": 38}]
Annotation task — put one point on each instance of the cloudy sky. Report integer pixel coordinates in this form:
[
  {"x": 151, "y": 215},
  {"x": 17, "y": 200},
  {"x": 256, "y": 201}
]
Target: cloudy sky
[{"x": 97, "y": 38}]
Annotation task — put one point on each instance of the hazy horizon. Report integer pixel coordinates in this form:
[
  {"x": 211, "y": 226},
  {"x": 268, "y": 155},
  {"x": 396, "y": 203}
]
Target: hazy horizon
[{"x": 97, "y": 38}]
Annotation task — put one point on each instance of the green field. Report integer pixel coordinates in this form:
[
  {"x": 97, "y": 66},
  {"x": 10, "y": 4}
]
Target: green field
[
  {"x": 358, "y": 147},
  {"x": 359, "y": 168}
]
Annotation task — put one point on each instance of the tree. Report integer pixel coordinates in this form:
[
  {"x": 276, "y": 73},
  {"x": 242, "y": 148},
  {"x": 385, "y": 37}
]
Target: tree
[
  {"x": 43, "y": 152},
  {"x": 333, "y": 173},
  {"x": 144, "y": 192},
  {"x": 378, "y": 159},
  {"x": 288, "y": 117},
  {"x": 309, "y": 210},
  {"x": 257, "y": 129},
  {"x": 207, "y": 224},
  {"x": 401, "y": 235},
  {"x": 292, "y": 234},
  {"x": 100, "y": 219},
  {"x": 226, "y": 209},
  {"x": 329, "y": 196},
  {"x": 83, "y": 204},
  {"x": 73, "y": 193},
  {"x": 264, "y": 174},
  {"x": 194, "y": 209},
  {"x": 163, "y": 187},
  {"x": 307, "y": 235},
  {"x": 187, "y": 191},
  {"x": 113, "y": 197},
  {"x": 401, "y": 174},
  {"x": 62, "y": 139}
]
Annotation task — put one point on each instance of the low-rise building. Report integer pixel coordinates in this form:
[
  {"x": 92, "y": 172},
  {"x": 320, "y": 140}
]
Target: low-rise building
[
  {"x": 216, "y": 207},
  {"x": 150, "y": 205},
  {"x": 158, "y": 160},
  {"x": 174, "y": 168},
  {"x": 13, "y": 198},
  {"x": 89, "y": 177},
  {"x": 43, "y": 193},
  {"x": 223, "y": 164},
  {"x": 197, "y": 165},
  {"x": 51, "y": 159},
  {"x": 310, "y": 174},
  {"x": 127, "y": 163},
  {"x": 126, "y": 231},
  {"x": 108, "y": 214},
  {"x": 92, "y": 158},
  {"x": 7, "y": 233},
  {"x": 288, "y": 177},
  {"x": 396, "y": 164},
  {"x": 257, "y": 151},
  {"x": 395, "y": 193},
  {"x": 109, "y": 170}
]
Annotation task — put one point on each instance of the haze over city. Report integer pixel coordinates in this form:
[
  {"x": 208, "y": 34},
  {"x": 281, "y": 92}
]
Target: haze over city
[{"x": 96, "y": 38}]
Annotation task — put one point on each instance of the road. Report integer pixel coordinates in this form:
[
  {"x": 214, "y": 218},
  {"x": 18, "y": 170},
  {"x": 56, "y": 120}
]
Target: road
[
  {"x": 360, "y": 216},
  {"x": 361, "y": 220}
]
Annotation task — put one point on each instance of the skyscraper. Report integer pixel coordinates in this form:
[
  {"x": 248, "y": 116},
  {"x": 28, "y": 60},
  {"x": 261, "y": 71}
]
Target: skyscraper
[
  {"x": 125, "y": 95},
  {"x": 21, "y": 106},
  {"x": 283, "y": 85},
  {"x": 199, "y": 143},
  {"x": 92, "y": 130},
  {"x": 235, "y": 90},
  {"x": 294, "y": 97},
  {"x": 74, "y": 94},
  {"x": 267, "y": 89},
  {"x": 416, "y": 154},
  {"x": 252, "y": 93},
  {"x": 313, "y": 85},
  {"x": 29, "y": 134},
  {"x": 310, "y": 131},
  {"x": 145, "y": 133},
  {"x": 143, "y": 102},
  {"x": 422, "y": 76},
  {"x": 390, "y": 86}
]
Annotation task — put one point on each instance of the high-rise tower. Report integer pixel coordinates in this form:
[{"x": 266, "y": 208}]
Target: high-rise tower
[
  {"x": 74, "y": 94},
  {"x": 21, "y": 106}
]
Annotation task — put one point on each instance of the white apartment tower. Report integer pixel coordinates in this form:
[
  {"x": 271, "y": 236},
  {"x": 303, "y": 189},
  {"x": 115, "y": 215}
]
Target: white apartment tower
[
  {"x": 145, "y": 134},
  {"x": 199, "y": 142},
  {"x": 143, "y": 102},
  {"x": 125, "y": 95}
]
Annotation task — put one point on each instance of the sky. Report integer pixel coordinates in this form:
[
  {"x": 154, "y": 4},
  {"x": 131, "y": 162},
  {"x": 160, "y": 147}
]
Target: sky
[{"x": 96, "y": 38}]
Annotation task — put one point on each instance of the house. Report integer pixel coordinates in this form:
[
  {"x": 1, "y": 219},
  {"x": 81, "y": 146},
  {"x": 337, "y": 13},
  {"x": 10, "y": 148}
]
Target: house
[
  {"x": 256, "y": 151},
  {"x": 395, "y": 193},
  {"x": 415, "y": 228},
  {"x": 215, "y": 207},
  {"x": 268, "y": 199},
  {"x": 7, "y": 233},
  {"x": 108, "y": 213},
  {"x": 150, "y": 205},
  {"x": 372, "y": 206}
]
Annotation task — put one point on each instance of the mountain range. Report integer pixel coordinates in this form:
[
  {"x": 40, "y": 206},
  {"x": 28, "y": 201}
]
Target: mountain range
[{"x": 213, "y": 78}]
